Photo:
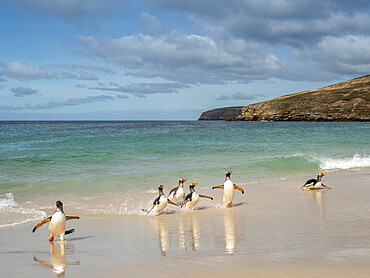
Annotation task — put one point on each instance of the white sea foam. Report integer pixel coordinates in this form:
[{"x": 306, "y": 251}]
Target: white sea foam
[
  {"x": 7, "y": 201},
  {"x": 12, "y": 214},
  {"x": 357, "y": 161}
]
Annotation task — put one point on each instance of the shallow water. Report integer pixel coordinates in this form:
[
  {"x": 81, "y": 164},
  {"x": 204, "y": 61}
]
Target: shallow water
[{"x": 120, "y": 162}]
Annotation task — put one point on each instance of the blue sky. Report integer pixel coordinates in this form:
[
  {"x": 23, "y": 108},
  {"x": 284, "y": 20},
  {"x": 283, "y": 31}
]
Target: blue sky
[{"x": 171, "y": 59}]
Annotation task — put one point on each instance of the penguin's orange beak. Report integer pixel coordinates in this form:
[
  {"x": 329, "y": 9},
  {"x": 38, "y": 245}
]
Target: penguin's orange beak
[
  {"x": 161, "y": 187},
  {"x": 229, "y": 173},
  {"x": 184, "y": 179},
  {"x": 324, "y": 174},
  {"x": 194, "y": 184}
]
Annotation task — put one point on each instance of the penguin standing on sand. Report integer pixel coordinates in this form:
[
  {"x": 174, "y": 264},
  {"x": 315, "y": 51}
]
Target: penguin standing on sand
[
  {"x": 178, "y": 192},
  {"x": 193, "y": 197},
  {"x": 57, "y": 223},
  {"x": 160, "y": 202},
  {"x": 314, "y": 183},
  {"x": 228, "y": 188}
]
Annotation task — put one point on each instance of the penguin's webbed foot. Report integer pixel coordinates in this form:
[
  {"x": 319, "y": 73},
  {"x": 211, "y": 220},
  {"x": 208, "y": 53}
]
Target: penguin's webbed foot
[{"x": 51, "y": 237}]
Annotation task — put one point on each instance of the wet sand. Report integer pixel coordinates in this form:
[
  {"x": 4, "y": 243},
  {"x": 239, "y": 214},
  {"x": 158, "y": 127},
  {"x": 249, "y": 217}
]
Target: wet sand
[{"x": 274, "y": 230}]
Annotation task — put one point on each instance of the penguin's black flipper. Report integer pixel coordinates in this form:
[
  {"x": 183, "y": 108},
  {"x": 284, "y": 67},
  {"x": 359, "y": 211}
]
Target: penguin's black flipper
[
  {"x": 156, "y": 201},
  {"x": 206, "y": 196},
  {"x": 239, "y": 188},
  {"x": 173, "y": 190},
  {"x": 172, "y": 203},
  {"x": 70, "y": 231},
  {"x": 72, "y": 217},
  {"x": 151, "y": 209},
  {"x": 186, "y": 200},
  {"x": 311, "y": 181},
  {"x": 41, "y": 223}
]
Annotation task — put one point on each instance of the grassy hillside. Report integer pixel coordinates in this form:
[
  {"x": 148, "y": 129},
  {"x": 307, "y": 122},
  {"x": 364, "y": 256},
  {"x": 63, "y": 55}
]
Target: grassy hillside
[{"x": 346, "y": 101}]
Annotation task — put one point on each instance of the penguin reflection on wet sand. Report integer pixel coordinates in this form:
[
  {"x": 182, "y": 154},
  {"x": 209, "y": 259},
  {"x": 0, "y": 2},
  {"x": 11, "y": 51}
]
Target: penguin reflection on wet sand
[
  {"x": 177, "y": 193},
  {"x": 228, "y": 188},
  {"x": 160, "y": 202},
  {"x": 57, "y": 223},
  {"x": 314, "y": 183},
  {"x": 193, "y": 197},
  {"x": 58, "y": 261}
]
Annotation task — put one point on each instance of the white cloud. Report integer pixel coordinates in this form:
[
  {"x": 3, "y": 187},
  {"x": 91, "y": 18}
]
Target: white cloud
[
  {"x": 57, "y": 103},
  {"x": 342, "y": 55},
  {"x": 142, "y": 89},
  {"x": 151, "y": 24},
  {"x": 297, "y": 25},
  {"x": 184, "y": 58},
  {"x": 18, "y": 70},
  {"x": 275, "y": 21}
]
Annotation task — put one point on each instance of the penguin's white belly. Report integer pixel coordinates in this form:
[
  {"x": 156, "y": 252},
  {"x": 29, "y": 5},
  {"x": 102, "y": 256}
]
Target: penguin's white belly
[
  {"x": 162, "y": 204},
  {"x": 194, "y": 200},
  {"x": 179, "y": 195},
  {"x": 317, "y": 185},
  {"x": 228, "y": 192},
  {"x": 57, "y": 225}
]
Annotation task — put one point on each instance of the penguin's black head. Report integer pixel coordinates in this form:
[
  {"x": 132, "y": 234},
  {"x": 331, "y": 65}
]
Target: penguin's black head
[
  {"x": 182, "y": 180},
  {"x": 59, "y": 204},
  {"x": 191, "y": 187},
  {"x": 160, "y": 189},
  {"x": 228, "y": 174}
]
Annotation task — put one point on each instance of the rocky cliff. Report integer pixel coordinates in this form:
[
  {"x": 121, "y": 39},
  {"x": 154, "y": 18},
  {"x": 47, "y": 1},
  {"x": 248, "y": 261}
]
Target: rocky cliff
[
  {"x": 346, "y": 101},
  {"x": 226, "y": 113}
]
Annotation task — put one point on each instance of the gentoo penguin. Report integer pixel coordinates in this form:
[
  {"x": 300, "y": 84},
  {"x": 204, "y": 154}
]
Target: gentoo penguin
[
  {"x": 193, "y": 197},
  {"x": 160, "y": 202},
  {"x": 57, "y": 223},
  {"x": 314, "y": 183},
  {"x": 178, "y": 192},
  {"x": 228, "y": 187}
]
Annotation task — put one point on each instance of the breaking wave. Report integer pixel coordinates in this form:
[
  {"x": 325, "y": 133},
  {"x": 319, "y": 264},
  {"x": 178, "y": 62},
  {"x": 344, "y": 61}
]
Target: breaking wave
[
  {"x": 357, "y": 161},
  {"x": 12, "y": 214},
  {"x": 7, "y": 201}
]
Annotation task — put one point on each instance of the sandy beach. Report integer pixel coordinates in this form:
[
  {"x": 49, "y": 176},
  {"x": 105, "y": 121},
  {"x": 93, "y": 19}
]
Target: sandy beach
[{"x": 274, "y": 230}]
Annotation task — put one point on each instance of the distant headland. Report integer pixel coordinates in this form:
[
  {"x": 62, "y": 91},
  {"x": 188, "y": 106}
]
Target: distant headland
[{"x": 342, "y": 102}]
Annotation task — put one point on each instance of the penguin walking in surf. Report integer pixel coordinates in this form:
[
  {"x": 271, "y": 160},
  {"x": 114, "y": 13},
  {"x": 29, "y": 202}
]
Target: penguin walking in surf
[
  {"x": 57, "y": 223},
  {"x": 160, "y": 202},
  {"x": 177, "y": 193},
  {"x": 314, "y": 183},
  {"x": 228, "y": 188},
  {"x": 193, "y": 197}
]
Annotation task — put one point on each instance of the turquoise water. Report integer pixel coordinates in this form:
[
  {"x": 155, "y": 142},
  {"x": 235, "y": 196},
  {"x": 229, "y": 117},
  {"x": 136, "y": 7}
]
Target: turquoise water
[
  {"x": 134, "y": 156},
  {"x": 40, "y": 158}
]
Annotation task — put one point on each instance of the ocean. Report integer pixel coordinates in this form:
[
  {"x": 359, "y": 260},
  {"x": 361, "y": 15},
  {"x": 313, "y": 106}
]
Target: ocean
[{"x": 115, "y": 167}]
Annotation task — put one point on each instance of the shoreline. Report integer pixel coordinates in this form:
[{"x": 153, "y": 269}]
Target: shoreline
[
  {"x": 274, "y": 229},
  {"x": 122, "y": 204}
]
